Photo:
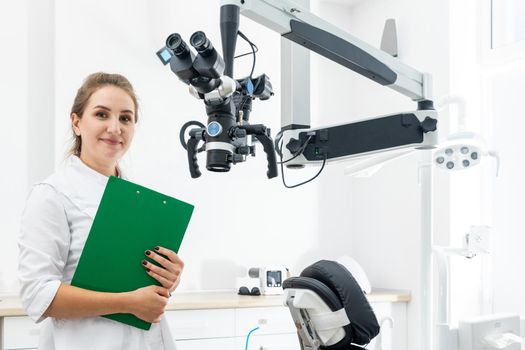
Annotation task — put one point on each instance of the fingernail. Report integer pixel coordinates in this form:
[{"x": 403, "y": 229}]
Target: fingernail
[
  {"x": 157, "y": 248},
  {"x": 144, "y": 262},
  {"x": 148, "y": 270},
  {"x": 148, "y": 252}
]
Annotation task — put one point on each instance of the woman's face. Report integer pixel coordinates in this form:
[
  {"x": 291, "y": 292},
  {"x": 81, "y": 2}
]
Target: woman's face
[{"x": 107, "y": 126}]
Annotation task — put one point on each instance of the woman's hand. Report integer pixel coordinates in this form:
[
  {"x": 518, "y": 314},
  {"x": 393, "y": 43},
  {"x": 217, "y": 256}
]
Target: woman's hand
[
  {"x": 148, "y": 303},
  {"x": 169, "y": 274}
]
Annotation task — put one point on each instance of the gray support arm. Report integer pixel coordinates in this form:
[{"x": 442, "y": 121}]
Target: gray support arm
[{"x": 297, "y": 24}]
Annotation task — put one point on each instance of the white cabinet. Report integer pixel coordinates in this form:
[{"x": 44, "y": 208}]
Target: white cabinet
[
  {"x": 229, "y": 328},
  {"x": 391, "y": 338},
  {"x": 20, "y": 333},
  {"x": 226, "y": 329},
  {"x": 271, "y": 342},
  {"x": 211, "y": 344},
  {"x": 199, "y": 324},
  {"x": 270, "y": 320}
]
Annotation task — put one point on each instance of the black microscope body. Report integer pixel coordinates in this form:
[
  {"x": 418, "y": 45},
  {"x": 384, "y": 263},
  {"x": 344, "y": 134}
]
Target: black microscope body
[{"x": 227, "y": 136}]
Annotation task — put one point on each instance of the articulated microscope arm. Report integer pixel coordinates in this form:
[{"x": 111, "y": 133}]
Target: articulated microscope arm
[{"x": 416, "y": 129}]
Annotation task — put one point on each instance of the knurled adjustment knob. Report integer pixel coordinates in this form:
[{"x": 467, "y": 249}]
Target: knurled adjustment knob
[
  {"x": 239, "y": 133},
  {"x": 243, "y": 150},
  {"x": 429, "y": 124}
]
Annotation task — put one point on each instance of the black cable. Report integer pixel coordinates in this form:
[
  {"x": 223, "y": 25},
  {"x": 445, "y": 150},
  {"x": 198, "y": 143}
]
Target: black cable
[
  {"x": 277, "y": 138},
  {"x": 304, "y": 182},
  {"x": 254, "y": 50},
  {"x": 297, "y": 154},
  {"x": 245, "y": 54},
  {"x": 183, "y": 132}
]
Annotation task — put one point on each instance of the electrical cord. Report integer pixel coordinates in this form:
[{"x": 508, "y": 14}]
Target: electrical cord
[
  {"x": 183, "y": 131},
  {"x": 297, "y": 154},
  {"x": 248, "y": 337},
  {"x": 254, "y": 50},
  {"x": 278, "y": 147},
  {"x": 301, "y": 150}
]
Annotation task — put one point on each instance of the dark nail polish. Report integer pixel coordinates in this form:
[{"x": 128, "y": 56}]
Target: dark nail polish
[
  {"x": 157, "y": 248},
  {"x": 148, "y": 270},
  {"x": 148, "y": 252},
  {"x": 144, "y": 262}
]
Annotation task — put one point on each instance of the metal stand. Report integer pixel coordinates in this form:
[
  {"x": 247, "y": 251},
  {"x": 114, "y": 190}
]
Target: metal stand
[{"x": 425, "y": 183}]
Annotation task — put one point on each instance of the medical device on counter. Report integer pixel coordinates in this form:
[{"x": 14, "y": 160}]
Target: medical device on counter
[
  {"x": 228, "y": 136},
  {"x": 270, "y": 279}
]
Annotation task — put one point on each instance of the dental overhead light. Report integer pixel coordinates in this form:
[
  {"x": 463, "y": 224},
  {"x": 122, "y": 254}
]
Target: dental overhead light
[{"x": 463, "y": 149}]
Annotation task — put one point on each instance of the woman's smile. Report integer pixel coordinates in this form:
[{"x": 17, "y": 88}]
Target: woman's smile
[{"x": 111, "y": 142}]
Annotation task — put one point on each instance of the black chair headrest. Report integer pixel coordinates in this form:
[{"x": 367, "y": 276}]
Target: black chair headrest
[{"x": 338, "y": 288}]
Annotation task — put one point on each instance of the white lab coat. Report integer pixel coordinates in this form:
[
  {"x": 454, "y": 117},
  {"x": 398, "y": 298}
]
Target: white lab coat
[{"x": 55, "y": 225}]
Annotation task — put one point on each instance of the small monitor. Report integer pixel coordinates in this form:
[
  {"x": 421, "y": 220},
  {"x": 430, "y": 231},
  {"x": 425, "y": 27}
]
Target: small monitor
[
  {"x": 164, "y": 55},
  {"x": 273, "y": 278}
]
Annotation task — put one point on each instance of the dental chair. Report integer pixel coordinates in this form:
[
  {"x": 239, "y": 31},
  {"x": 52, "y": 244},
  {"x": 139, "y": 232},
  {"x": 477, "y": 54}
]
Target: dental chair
[{"x": 329, "y": 308}]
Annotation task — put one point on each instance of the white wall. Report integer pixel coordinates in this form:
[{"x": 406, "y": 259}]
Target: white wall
[
  {"x": 502, "y": 77},
  {"x": 467, "y": 188},
  {"x": 13, "y": 139},
  {"x": 505, "y": 87},
  {"x": 492, "y": 83}
]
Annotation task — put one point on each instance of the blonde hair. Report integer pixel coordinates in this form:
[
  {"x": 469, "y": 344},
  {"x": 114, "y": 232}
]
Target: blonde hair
[{"x": 92, "y": 83}]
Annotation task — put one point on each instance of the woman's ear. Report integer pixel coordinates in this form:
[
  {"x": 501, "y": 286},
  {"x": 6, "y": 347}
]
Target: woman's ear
[{"x": 75, "y": 119}]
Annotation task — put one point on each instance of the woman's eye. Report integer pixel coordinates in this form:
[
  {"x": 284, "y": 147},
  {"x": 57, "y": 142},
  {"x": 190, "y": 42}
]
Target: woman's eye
[
  {"x": 125, "y": 118},
  {"x": 101, "y": 115}
]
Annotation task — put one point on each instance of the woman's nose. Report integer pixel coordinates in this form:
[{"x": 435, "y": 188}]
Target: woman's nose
[{"x": 114, "y": 126}]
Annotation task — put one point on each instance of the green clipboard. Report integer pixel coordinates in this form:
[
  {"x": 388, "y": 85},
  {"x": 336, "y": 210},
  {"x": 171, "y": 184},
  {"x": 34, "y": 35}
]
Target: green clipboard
[{"x": 130, "y": 219}]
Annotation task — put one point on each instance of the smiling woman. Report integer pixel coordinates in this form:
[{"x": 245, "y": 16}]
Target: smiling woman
[
  {"x": 103, "y": 119},
  {"x": 55, "y": 225}
]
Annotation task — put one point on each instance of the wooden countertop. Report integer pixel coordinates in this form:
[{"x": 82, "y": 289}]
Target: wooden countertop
[{"x": 11, "y": 306}]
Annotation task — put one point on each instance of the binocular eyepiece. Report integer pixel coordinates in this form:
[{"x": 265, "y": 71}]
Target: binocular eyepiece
[
  {"x": 198, "y": 40},
  {"x": 175, "y": 43},
  {"x": 201, "y": 43},
  {"x": 207, "y": 64}
]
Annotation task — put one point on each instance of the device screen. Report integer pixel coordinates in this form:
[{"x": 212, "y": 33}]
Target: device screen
[{"x": 273, "y": 278}]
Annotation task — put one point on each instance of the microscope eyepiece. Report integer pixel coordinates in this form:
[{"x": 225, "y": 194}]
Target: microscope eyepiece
[
  {"x": 201, "y": 43},
  {"x": 177, "y": 45}
]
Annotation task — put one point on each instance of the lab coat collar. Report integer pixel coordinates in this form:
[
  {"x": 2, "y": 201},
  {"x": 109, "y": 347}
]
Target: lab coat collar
[{"x": 82, "y": 185}]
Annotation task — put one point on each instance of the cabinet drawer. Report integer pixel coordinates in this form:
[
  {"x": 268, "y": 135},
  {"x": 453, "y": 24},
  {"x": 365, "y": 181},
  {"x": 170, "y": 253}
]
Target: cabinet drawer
[
  {"x": 271, "y": 342},
  {"x": 271, "y": 320},
  {"x": 202, "y": 344},
  {"x": 20, "y": 333},
  {"x": 193, "y": 324},
  {"x": 395, "y": 337}
]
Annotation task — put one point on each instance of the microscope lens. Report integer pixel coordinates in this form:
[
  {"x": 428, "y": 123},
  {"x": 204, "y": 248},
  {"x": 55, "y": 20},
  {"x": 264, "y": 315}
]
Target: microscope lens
[
  {"x": 200, "y": 42},
  {"x": 464, "y": 150},
  {"x": 175, "y": 43},
  {"x": 466, "y": 163},
  {"x": 449, "y": 151},
  {"x": 474, "y": 155},
  {"x": 197, "y": 39},
  {"x": 450, "y": 165},
  {"x": 440, "y": 160}
]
